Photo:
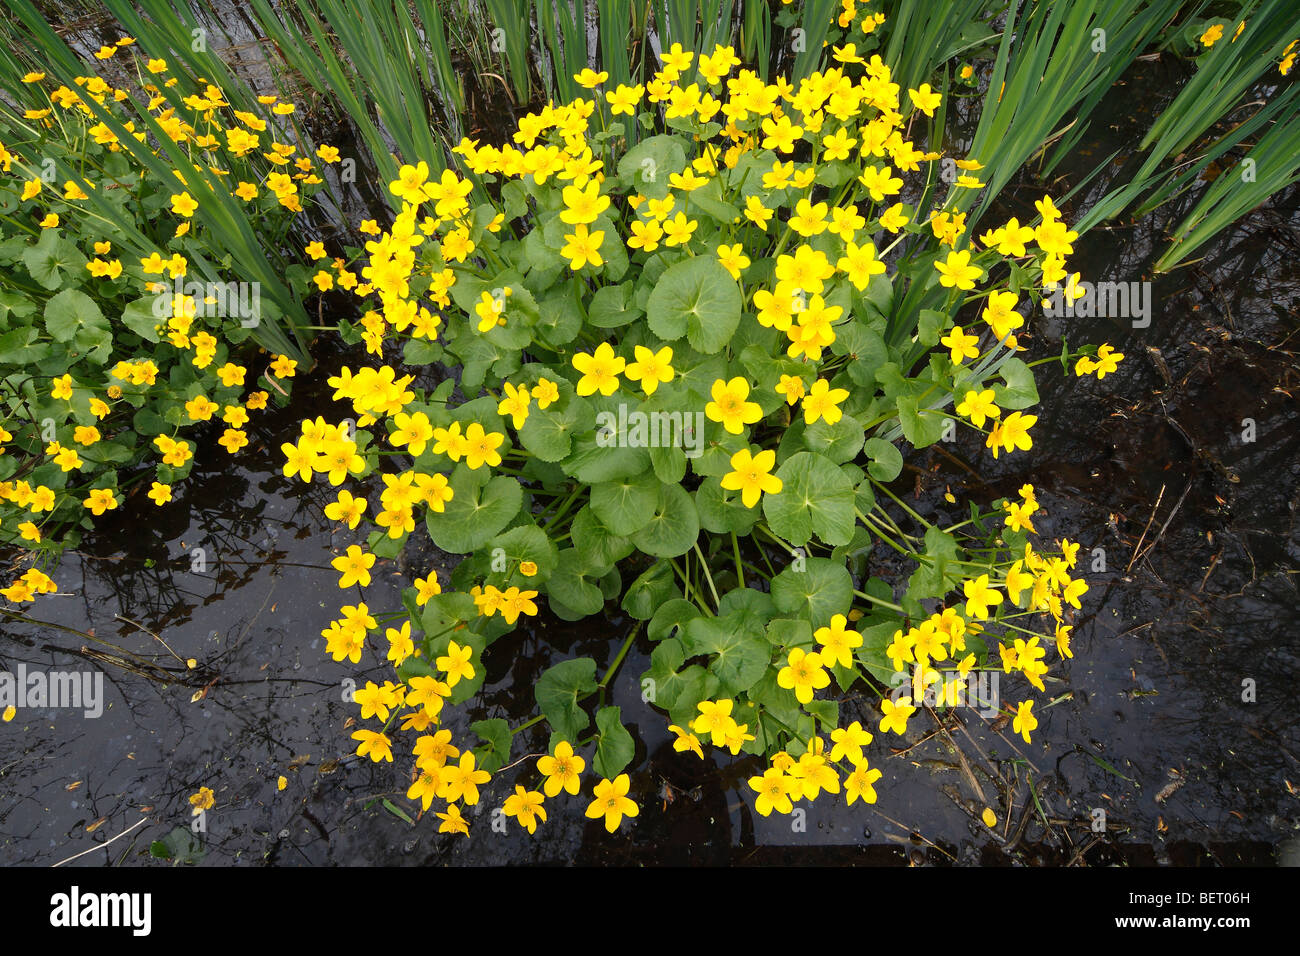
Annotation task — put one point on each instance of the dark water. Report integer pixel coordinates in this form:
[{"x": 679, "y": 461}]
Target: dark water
[{"x": 1148, "y": 723}]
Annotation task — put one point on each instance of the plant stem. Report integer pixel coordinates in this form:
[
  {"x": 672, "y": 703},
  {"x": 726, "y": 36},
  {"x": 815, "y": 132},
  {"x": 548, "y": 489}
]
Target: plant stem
[
  {"x": 707, "y": 576},
  {"x": 879, "y": 601}
]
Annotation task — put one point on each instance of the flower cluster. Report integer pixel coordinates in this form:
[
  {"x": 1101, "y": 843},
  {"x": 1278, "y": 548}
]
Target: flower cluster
[
  {"x": 715, "y": 279},
  {"x": 124, "y": 335}
]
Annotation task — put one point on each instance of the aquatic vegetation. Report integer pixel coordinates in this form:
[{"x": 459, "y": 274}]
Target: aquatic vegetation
[
  {"x": 687, "y": 363},
  {"x": 124, "y": 324},
  {"x": 695, "y": 320}
]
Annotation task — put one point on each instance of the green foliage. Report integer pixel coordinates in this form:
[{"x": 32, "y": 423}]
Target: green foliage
[{"x": 132, "y": 300}]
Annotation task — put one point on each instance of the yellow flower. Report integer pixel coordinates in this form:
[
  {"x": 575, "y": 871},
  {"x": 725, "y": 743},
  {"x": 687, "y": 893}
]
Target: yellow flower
[
  {"x": 100, "y": 500},
  {"x": 894, "y": 218},
  {"x": 925, "y": 99},
  {"x": 751, "y": 476},
  {"x": 961, "y": 345},
  {"x": 730, "y": 406},
  {"x": 205, "y": 799},
  {"x": 837, "y": 642},
  {"x": 612, "y": 803},
  {"x": 600, "y": 370},
  {"x": 651, "y": 368},
  {"x": 733, "y": 259},
  {"x": 880, "y": 182},
  {"x": 1025, "y": 721},
  {"x": 400, "y": 645},
  {"x": 896, "y": 714},
  {"x": 623, "y": 99},
  {"x": 232, "y": 439},
  {"x": 461, "y": 781},
  {"x": 859, "y": 263},
  {"x": 526, "y": 806},
  {"x": 378, "y": 746},
  {"x": 686, "y": 741},
  {"x": 515, "y": 404},
  {"x": 980, "y": 596},
  {"x": 1012, "y": 433},
  {"x": 582, "y": 204},
  {"x": 823, "y": 402},
  {"x": 957, "y": 271},
  {"x": 455, "y": 663},
  {"x": 678, "y": 229},
  {"x": 183, "y": 204},
  {"x": 160, "y": 493},
  {"x": 1211, "y": 36},
  {"x": 480, "y": 447},
  {"x": 354, "y": 566},
  {"x": 346, "y": 509},
  {"x": 861, "y": 783},
  {"x": 563, "y": 770},
  {"x": 200, "y": 409},
  {"x": 757, "y": 213},
  {"x": 1019, "y": 515},
  {"x": 808, "y": 220},
  {"x": 452, "y": 821},
  {"x": 645, "y": 236},
  {"x": 1107, "y": 361},
  {"x": 582, "y": 248},
  {"x": 977, "y": 406},
  {"x": 411, "y": 431},
  {"x": 773, "y": 789},
  {"x": 792, "y": 387},
  {"x": 545, "y": 392},
  {"x": 803, "y": 674},
  {"x": 234, "y": 416}
]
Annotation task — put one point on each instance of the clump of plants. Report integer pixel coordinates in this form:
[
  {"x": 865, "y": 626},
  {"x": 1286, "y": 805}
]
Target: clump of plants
[
  {"x": 695, "y": 324},
  {"x": 129, "y": 317}
]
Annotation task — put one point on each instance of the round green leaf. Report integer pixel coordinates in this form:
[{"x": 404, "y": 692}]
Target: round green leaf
[
  {"x": 548, "y": 432},
  {"x": 722, "y": 511},
  {"x": 673, "y": 527},
  {"x": 69, "y": 311},
  {"x": 671, "y": 614},
  {"x": 597, "y": 549},
  {"x": 476, "y": 512},
  {"x": 816, "y": 498},
  {"x": 738, "y": 646},
  {"x": 569, "y": 586},
  {"x": 696, "y": 298},
  {"x": 625, "y": 505},
  {"x": 558, "y": 691},
  {"x": 822, "y": 589},
  {"x": 651, "y": 590},
  {"x": 526, "y": 543},
  {"x": 886, "y": 459}
]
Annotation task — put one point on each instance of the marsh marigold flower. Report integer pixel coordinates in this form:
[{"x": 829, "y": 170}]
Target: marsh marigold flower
[{"x": 612, "y": 802}]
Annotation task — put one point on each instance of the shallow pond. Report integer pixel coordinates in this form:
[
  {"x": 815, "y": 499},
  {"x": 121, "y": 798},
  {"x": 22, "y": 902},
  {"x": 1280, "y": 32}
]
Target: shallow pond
[{"x": 1194, "y": 611}]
